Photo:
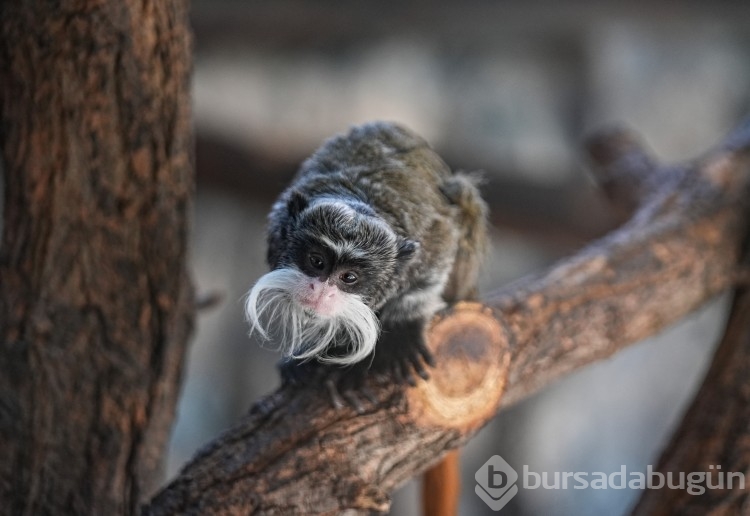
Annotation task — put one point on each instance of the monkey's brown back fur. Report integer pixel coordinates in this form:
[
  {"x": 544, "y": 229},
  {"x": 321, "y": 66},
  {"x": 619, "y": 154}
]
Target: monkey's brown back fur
[{"x": 399, "y": 175}]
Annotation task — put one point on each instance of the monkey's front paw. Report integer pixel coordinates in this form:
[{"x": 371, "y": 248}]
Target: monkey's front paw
[
  {"x": 401, "y": 353},
  {"x": 299, "y": 373},
  {"x": 394, "y": 363},
  {"x": 347, "y": 387},
  {"x": 344, "y": 386},
  {"x": 409, "y": 362}
]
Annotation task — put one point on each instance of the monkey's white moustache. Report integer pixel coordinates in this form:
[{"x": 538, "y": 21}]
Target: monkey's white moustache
[{"x": 271, "y": 309}]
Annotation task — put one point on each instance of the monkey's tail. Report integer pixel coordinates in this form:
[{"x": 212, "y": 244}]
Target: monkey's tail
[{"x": 441, "y": 487}]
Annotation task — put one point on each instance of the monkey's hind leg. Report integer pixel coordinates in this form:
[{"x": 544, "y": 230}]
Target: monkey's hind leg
[
  {"x": 441, "y": 484},
  {"x": 461, "y": 190}
]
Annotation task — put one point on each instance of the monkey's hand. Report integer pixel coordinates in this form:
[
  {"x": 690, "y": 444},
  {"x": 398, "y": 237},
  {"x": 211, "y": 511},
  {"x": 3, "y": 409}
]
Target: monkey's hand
[
  {"x": 345, "y": 386},
  {"x": 400, "y": 353}
]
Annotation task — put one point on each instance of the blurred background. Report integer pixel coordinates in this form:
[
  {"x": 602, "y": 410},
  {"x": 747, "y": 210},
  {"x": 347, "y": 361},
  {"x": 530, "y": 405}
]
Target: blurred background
[{"x": 510, "y": 88}]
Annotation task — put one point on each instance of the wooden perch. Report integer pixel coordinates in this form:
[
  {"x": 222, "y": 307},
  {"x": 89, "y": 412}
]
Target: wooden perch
[
  {"x": 715, "y": 435},
  {"x": 294, "y": 454}
]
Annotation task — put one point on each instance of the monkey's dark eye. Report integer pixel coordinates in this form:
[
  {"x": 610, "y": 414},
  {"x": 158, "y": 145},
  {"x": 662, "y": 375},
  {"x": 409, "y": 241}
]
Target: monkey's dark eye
[
  {"x": 349, "y": 278},
  {"x": 316, "y": 261}
]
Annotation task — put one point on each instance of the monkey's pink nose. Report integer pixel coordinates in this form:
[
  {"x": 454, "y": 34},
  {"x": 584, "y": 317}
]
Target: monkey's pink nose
[{"x": 320, "y": 297}]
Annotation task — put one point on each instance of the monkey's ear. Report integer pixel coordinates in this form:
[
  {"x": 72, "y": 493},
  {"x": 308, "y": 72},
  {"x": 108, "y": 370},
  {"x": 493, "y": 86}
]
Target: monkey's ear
[
  {"x": 296, "y": 203},
  {"x": 406, "y": 249}
]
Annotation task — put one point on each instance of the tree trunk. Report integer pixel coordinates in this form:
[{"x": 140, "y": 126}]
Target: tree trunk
[{"x": 95, "y": 302}]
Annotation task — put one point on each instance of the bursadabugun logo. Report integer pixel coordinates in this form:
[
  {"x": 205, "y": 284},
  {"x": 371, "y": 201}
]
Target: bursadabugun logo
[{"x": 496, "y": 482}]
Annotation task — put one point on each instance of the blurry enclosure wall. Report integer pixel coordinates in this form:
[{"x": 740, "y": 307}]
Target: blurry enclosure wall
[{"x": 506, "y": 88}]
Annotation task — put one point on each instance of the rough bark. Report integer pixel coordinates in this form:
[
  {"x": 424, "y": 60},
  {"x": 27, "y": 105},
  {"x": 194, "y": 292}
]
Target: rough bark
[
  {"x": 95, "y": 303},
  {"x": 679, "y": 249},
  {"x": 293, "y": 454},
  {"x": 714, "y": 437}
]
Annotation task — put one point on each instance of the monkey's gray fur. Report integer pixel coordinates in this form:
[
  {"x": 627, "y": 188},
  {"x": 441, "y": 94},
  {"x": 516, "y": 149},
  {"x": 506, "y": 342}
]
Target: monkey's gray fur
[{"x": 380, "y": 206}]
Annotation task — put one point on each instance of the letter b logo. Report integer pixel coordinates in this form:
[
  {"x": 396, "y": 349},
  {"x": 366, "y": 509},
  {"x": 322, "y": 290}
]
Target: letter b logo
[
  {"x": 497, "y": 478},
  {"x": 496, "y": 482}
]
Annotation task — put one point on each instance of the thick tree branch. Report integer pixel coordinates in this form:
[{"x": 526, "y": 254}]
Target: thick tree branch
[
  {"x": 294, "y": 454},
  {"x": 679, "y": 249},
  {"x": 714, "y": 437}
]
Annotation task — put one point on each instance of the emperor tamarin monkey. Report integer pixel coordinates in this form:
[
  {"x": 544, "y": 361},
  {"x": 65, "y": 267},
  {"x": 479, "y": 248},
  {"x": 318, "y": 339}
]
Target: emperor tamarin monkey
[{"x": 374, "y": 235}]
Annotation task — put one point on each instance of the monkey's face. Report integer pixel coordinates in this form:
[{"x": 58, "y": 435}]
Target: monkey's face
[
  {"x": 337, "y": 269},
  {"x": 344, "y": 253},
  {"x": 331, "y": 280}
]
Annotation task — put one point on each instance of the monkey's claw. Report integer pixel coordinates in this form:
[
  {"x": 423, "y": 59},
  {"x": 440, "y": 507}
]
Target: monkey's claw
[
  {"x": 334, "y": 395},
  {"x": 402, "y": 353},
  {"x": 344, "y": 387},
  {"x": 341, "y": 400},
  {"x": 347, "y": 388}
]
